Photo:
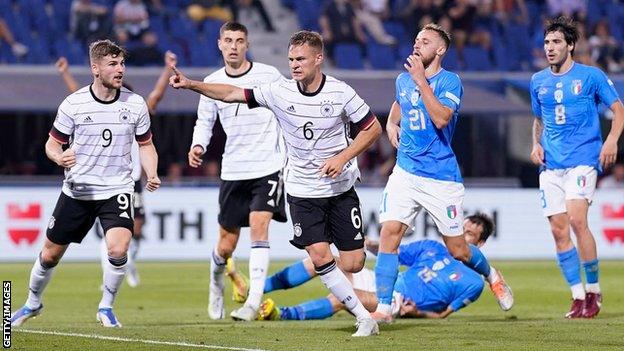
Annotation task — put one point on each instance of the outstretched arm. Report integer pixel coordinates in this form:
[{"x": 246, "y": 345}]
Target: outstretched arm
[
  {"x": 409, "y": 310},
  {"x": 222, "y": 92},
  {"x": 63, "y": 67},
  {"x": 161, "y": 84}
]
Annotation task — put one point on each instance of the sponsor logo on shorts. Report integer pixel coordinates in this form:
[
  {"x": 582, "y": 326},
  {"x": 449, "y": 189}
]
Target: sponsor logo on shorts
[
  {"x": 451, "y": 212},
  {"x": 297, "y": 229}
]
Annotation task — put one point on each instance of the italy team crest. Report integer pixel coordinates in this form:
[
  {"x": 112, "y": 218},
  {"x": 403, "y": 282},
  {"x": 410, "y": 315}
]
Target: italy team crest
[
  {"x": 451, "y": 212},
  {"x": 581, "y": 181},
  {"x": 576, "y": 86},
  {"x": 415, "y": 97}
]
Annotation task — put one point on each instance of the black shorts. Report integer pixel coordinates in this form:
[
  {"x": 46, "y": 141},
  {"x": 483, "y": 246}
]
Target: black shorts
[
  {"x": 336, "y": 219},
  {"x": 72, "y": 219},
  {"x": 137, "y": 200},
  {"x": 237, "y": 198}
]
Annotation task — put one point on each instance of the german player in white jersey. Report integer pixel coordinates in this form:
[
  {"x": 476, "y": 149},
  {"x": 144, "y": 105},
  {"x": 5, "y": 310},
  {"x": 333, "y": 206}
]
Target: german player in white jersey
[
  {"x": 154, "y": 97},
  {"x": 251, "y": 192},
  {"x": 314, "y": 111},
  {"x": 99, "y": 122}
]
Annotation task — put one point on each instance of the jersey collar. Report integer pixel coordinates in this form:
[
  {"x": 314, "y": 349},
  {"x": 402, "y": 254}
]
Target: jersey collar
[
  {"x": 239, "y": 75},
  {"x": 102, "y": 101},
  {"x": 314, "y": 93},
  {"x": 563, "y": 73}
]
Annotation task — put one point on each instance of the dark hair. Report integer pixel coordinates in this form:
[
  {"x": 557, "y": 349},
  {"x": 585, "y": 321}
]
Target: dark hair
[
  {"x": 485, "y": 222},
  {"x": 102, "y": 48},
  {"x": 313, "y": 39},
  {"x": 234, "y": 27},
  {"x": 566, "y": 26},
  {"x": 441, "y": 32}
]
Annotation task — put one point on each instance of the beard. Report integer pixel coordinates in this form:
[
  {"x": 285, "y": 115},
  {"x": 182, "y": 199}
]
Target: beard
[{"x": 427, "y": 60}]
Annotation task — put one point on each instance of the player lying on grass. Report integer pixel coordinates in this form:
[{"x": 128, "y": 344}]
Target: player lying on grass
[{"x": 434, "y": 285}]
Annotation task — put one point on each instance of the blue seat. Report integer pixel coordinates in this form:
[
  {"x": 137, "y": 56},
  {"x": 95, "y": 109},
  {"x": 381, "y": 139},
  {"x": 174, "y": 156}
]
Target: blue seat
[
  {"x": 71, "y": 49},
  {"x": 348, "y": 56},
  {"x": 202, "y": 53},
  {"x": 38, "y": 51},
  {"x": 308, "y": 14},
  {"x": 380, "y": 56},
  {"x": 61, "y": 9},
  {"x": 477, "y": 59},
  {"x": 451, "y": 60}
]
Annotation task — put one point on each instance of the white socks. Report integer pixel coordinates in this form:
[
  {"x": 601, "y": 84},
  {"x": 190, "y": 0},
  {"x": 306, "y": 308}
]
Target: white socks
[
  {"x": 217, "y": 268},
  {"x": 258, "y": 267},
  {"x": 39, "y": 278},
  {"x": 339, "y": 285},
  {"x": 578, "y": 293},
  {"x": 114, "y": 273}
]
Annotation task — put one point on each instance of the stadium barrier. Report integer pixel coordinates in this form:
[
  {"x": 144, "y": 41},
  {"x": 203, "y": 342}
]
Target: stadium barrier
[{"x": 182, "y": 224}]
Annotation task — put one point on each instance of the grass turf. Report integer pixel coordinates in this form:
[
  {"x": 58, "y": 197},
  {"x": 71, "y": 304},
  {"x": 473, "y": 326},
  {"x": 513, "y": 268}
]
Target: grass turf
[{"x": 170, "y": 305}]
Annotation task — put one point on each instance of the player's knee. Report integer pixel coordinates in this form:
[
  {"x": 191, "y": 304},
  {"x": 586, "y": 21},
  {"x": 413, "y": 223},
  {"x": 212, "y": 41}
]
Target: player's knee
[
  {"x": 391, "y": 229},
  {"x": 117, "y": 250},
  {"x": 49, "y": 259},
  {"x": 578, "y": 224}
]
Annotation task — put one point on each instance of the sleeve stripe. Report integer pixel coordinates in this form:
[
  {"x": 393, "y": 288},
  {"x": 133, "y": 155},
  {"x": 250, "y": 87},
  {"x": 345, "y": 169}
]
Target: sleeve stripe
[
  {"x": 250, "y": 99},
  {"x": 59, "y": 136},
  {"x": 144, "y": 138},
  {"x": 452, "y": 96},
  {"x": 367, "y": 121}
]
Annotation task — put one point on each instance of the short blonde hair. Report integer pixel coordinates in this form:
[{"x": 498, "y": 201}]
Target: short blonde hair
[
  {"x": 446, "y": 36},
  {"x": 313, "y": 39},
  {"x": 101, "y": 48}
]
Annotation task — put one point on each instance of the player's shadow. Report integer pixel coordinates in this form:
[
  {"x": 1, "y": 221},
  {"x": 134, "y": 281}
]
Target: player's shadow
[{"x": 384, "y": 327}]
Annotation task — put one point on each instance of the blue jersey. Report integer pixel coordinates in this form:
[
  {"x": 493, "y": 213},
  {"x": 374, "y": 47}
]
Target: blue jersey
[
  {"x": 567, "y": 104},
  {"x": 425, "y": 150},
  {"x": 434, "y": 279}
]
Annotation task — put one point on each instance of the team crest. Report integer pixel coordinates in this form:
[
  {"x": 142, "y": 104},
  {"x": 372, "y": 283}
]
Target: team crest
[
  {"x": 327, "y": 109},
  {"x": 51, "y": 223},
  {"x": 297, "y": 229},
  {"x": 415, "y": 97},
  {"x": 451, "y": 212},
  {"x": 124, "y": 115},
  {"x": 576, "y": 86},
  {"x": 581, "y": 181}
]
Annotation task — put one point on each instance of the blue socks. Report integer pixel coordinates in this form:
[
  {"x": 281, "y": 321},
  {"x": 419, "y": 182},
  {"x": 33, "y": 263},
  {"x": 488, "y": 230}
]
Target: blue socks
[
  {"x": 386, "y": 272},
  {"x": 289, "y": 277},
  {"x": 570, "y": 263},
  {"x": 591, "y": 271},
  {"x": 313, "y": 309},
  {"x": 478, "y": 262}
]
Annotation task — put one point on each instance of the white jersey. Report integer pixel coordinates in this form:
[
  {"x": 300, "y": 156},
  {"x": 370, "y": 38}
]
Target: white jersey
[
  {"x": 315, "y": 127},
  {"x": 254, "y": 147},
  {"x": 101, "y": 134}
]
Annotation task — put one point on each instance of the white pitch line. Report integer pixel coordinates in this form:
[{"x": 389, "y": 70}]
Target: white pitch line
[{"x": 154, "y": 342}]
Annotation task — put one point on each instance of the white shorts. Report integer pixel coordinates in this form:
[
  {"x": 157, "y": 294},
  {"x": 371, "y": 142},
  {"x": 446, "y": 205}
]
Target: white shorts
[
  {"x": 406, "y": 194},
  {"x": 364, "y": 280},
  {"x": 559, "y": 185}
]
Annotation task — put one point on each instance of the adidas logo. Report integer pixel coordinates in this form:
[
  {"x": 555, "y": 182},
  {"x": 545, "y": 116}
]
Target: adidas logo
[
  {"x": 87, "y": 120},
  {"x": 358, "y": 236},
  {"x": 271, "y": 203},
  {"x": 291, "y": 108},
  {"x": 124, "y": 215}
]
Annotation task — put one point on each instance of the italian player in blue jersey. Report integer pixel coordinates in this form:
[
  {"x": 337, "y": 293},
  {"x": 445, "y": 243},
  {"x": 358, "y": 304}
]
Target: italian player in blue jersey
[
  {"x": 567, "y": 145},
  {"x": 434, "y": 285},
  {"x": 421, "y": 125}
]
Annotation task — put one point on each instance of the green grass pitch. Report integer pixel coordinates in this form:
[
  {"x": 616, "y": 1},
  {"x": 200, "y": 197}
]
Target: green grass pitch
[{"x": 170, "y": 306}]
